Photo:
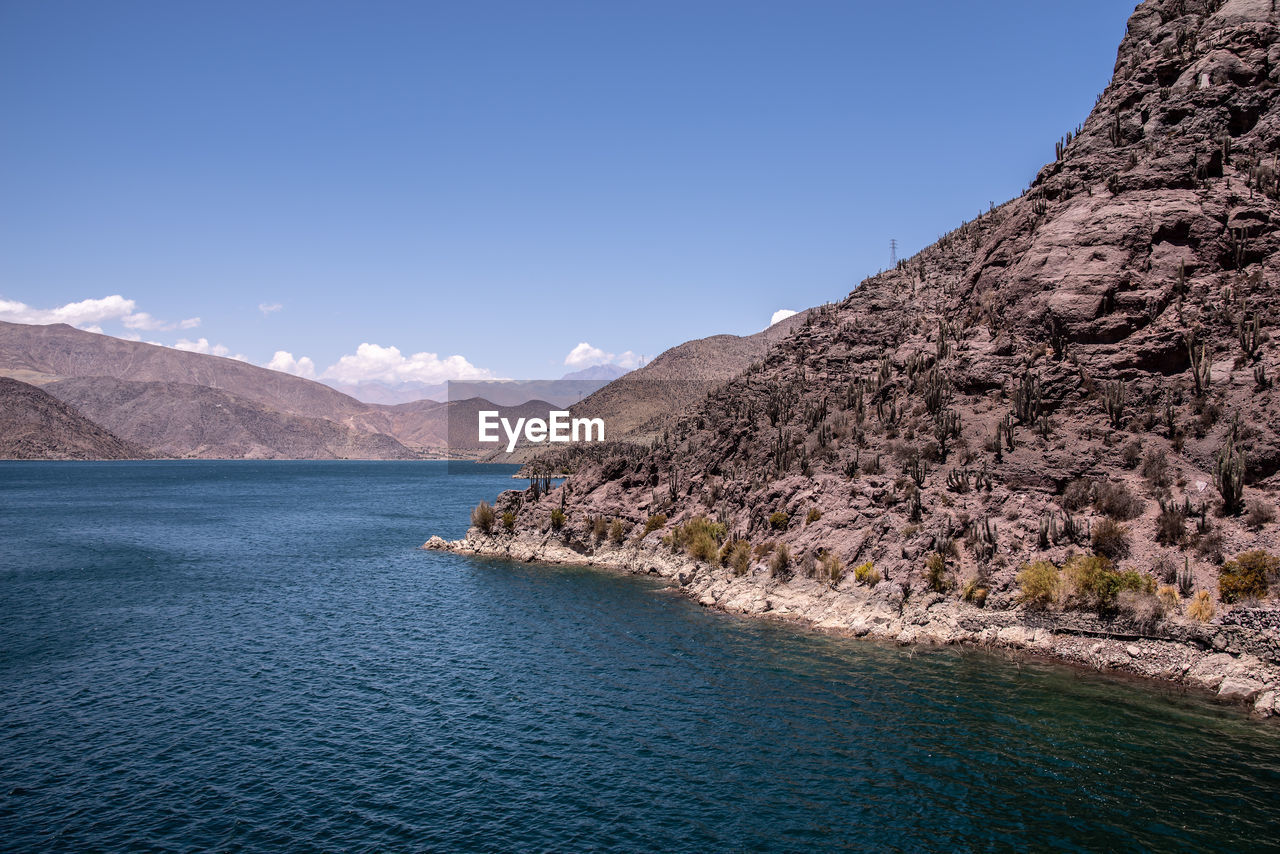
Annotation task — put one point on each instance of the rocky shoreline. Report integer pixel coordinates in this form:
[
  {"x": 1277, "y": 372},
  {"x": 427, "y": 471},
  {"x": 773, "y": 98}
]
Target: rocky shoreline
[{"x": 1235, "y": 657}]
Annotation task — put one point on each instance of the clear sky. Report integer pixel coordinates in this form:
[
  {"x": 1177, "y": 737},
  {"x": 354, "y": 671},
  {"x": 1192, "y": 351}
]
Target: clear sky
[{"x": 504, "y": 181}]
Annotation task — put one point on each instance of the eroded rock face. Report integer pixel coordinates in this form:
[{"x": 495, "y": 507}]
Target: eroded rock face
[{"x": 1096, "y": 329}]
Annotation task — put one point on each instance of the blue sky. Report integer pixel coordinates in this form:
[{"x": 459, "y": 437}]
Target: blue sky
[{"x": 503, "y": 182}]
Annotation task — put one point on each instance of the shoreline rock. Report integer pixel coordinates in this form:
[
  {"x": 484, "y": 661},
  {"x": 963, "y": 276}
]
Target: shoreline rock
[{"x": 1194, "y": 656}]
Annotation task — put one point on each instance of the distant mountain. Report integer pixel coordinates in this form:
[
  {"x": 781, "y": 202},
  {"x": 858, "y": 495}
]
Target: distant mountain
[
  {"x": 390, "y": 394},
  {"x": 597, "y": 372},
  {"x": 186, "y": 420},
  {"x": 35, "y": 425},
  {"x": 635, "y": 404}
]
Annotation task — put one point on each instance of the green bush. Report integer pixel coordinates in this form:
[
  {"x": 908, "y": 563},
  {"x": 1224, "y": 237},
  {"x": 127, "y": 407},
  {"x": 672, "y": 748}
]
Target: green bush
[
  {"x": 778, "y": 521},
  {"x": 1247, "y": 576},
  {"x": 509, "y": 521},
  {"x": 617, "y": 532},
  {"x": 814, "y": 515},
  {"x": 557, "y": 519},
  {"x": 1094, "y": 582},
  {"x": 653, "y": 523},
  {"x": 866, "y": 573},
  {"x": 483, "y": 516},
  {"x": 1039, "y": 583}
]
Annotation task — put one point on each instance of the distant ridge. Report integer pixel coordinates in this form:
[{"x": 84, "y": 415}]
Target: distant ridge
[{"x": 35, "y": 425}]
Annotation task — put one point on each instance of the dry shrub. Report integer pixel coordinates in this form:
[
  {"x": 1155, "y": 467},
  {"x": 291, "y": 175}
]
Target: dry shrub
[
  {"x": 1111, "y": 539},
  {"x": 1201, "y": 607},
  {"x": 780, "y": 562},
  {"x": 1114, "y": 499},
  {"x": 1259, "y": 513},
  {"x": 483, "y": 517}
]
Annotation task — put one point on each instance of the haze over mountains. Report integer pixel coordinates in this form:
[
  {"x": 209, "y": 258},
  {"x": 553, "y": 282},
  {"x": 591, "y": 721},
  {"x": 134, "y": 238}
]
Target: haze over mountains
[{"x": 159, "y": 401}]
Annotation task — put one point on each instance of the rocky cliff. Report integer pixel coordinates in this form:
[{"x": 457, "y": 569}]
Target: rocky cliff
[{"x": 1063, "y": 408}]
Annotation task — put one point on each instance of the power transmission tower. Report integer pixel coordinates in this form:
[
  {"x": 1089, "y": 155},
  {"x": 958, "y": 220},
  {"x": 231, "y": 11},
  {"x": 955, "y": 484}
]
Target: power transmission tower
[{"x": 893, "y": 253}]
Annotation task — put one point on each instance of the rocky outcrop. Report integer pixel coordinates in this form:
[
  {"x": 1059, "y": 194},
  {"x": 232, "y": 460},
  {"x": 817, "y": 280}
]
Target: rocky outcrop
[{"x": 1087, "y": 368}]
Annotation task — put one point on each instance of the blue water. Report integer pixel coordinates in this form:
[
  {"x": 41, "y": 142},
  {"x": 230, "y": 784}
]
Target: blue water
[{"x": 255, "y": 656}]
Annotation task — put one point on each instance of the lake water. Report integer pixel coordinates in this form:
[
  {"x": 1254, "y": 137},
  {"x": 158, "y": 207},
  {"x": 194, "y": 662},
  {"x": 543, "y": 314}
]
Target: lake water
[{"x": 256, "y": 656}]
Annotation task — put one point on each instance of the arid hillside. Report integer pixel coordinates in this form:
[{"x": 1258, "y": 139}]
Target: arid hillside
[
  {"x": 35, "y": 425},
  {"x": 1086, "y": 370}
]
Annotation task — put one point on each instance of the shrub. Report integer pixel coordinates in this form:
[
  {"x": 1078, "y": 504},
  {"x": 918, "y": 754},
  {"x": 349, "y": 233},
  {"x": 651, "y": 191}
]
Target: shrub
[
  {"x": 1155, "y": 468},
  {"x": 653, "y": 523},
  {"x": 557, "y": 519},
  {"x": 1111, "y": 539},
  {"x": 763, "y": 550},
  {"x": 483, "y": 516},
  {"x": 1114, "y": 499},
  {"x": 832, "y": 568},
  {"x": 780, "y": 563},
  {"x": 1247, "y": 576},
  {"x": 814, "y": 515},
  {"x": 617, "y": 532},
  {"x": 1039, "y": 582},
  {"x": 740, "y": 557},
  {"x": 1131, "y": 454},
  {"x": 1201, "y": 607},
  {"x": 1140, "y": 606},
  {"x": 699, "y": 537},
  {"x": 1077, "y": 494},
  {"x": 936, "y": 575},
  {"x": 1093, "y": 581},
  {"x": 1171, "y": 524},
  {"x": 866, "y": 573},
  {"x": 975, "y": 591},
  {"x": 1167, "y": 595},
  {"x": 1259, "y": 513},
  {"x": 599, "y": 528},
  {"x": 509, "y": 521},
  {"x": 778, "y": 521}
]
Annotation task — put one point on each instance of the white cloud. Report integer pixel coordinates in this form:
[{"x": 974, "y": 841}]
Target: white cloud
[
  {"x": 373, "y": 363},
  {"x": 584, "y": 356},
  {"x": 781, "y": 314},
  {"x": 283, "y": 361},
  {"x": 89, "y": 314},
  {"x": 202, "y": 345},
  {"x": 269, "y": 307}
]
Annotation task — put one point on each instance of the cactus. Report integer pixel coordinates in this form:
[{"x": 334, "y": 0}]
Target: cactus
[
  {"x": 917, "y": 469},
  {"x": 1048, "y": 530},
  {"x": 958, "y": 480},
  {"x": 1200, "y": 365},
  {"x": 1113, "y": 398},
  {"x": 1027, "y": 398},
  {"x": 946, "y": 424},
  {"x": 1114, "y": 134},
  {"x": 1260, "y": 381},
  {"x": 983, "y": 539},
  {"x": 1229, "y": 476},
  {"x": 1186, "y": 580},
  {"x": 1250, "y": 336}
]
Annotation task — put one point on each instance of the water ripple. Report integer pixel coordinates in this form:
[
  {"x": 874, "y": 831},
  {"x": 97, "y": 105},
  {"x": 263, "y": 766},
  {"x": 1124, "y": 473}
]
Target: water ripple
[{"x": 252, "y": 656}]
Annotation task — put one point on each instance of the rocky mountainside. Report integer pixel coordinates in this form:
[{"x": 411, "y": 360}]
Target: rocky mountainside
[
  {"x": 186, "y": 420},
  {"x": 1066, "y": 406},
  {"x": 35, "y": 425}
]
